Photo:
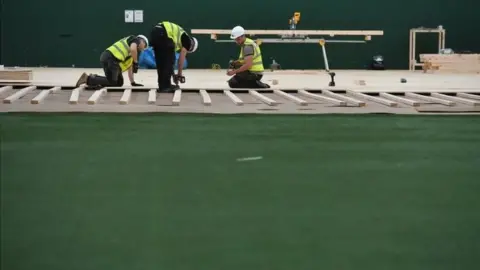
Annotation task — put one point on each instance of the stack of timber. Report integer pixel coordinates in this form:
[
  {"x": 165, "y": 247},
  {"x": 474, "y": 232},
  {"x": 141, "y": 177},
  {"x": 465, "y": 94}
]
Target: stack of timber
[
  {"x": 461, "y": 63},
  {"x": 16, "y": 75}
]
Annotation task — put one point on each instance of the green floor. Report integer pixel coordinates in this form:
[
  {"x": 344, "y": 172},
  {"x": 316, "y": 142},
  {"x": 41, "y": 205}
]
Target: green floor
[{"x": 150, "y": 192}]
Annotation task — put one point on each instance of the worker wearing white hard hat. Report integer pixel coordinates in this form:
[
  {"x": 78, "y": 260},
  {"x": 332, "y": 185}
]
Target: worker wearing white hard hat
[
  {"x": 166, "y": 39},
  {"x": 237, "y": 31},
  {"x": 247, "y": 71},
  {"x": 116, "y": 59}
]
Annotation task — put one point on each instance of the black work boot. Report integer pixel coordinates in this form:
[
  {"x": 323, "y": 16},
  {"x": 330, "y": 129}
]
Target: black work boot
[
  {"x": 168, "y": 89},
  {"x": 261, "y": 84}
]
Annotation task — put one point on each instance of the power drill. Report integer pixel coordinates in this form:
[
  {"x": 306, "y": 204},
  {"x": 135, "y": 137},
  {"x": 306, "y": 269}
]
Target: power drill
[{"x": 234, "y": 64}]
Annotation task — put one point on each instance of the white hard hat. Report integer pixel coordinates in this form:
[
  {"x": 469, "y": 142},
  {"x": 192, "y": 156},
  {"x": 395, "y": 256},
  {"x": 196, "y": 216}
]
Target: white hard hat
[
  {"x": 195, "y": 45},
  {"x": 237, "y": 31},
  {"x": 144, "y": 38}
]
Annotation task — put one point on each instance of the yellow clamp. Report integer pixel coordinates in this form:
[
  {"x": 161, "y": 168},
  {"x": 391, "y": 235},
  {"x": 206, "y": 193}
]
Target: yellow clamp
[
  {"x": 322, "y": 42},
  {"x": 296, "y": 17},
  {"x": 259, "y": 42},
  {"x": 215, "y": 66}
]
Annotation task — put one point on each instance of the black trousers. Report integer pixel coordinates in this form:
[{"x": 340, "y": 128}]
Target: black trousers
[
  {"x": 247, "y": 79},
  {"x": 164, "y": 49},
  {"x": 113, "y": 72}
]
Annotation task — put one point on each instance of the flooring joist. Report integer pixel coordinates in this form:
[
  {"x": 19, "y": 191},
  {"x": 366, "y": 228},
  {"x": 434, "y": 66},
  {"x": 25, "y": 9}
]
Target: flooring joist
[
  {"x": 177, "y": 97},
  {"x": 125, "y": 99},
  {"x": 470, "y": 96},
  {"x": 263, "y": 98},
  {"x": 430, "y": 99},
  {"x": 5, "y": 88},
  {"x": 290, "y": 97},
  {"x": 344, "y": 98},
  {"x": 43, "y": 95},
  {"x": 206, "y": 100},
  {"x": 236, "y": 100},
  {"x": 75, "y": 96},
  {"x": 457, "y": 99},
  {"x": 322, "y": 98},
  {"x": 96, "y": 96},
  {"x": 374, "y": 99},
  {"x": 152, "y": 96},
  {"x": 18, "y": 94},
  {"x": 399, "y": 99}
]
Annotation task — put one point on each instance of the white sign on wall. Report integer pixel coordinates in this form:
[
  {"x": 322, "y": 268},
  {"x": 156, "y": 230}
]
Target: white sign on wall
[
  {"x": 138, "y": 16},
  {"x": 129, "y": 16}
]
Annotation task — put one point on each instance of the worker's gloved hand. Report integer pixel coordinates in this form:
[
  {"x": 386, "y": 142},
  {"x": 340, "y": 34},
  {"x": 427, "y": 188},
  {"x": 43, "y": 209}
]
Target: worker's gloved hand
[
  {"x": 235, "y": 64},
  {"x": 136, "y": 84},
  {"x": 135, "y": 67},
  {"x": 178, "y": 78}
]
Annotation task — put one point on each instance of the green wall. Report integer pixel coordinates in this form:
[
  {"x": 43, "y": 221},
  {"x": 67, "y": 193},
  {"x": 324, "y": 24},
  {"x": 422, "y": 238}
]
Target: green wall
[{"x": 65, "y": 33}]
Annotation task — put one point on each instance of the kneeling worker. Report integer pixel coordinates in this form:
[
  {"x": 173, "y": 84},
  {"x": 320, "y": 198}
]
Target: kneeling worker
[
  {"x": 116, "y": 59},
  {"x": 248, "y": 69},
  {"x": 168, "y": 38}
]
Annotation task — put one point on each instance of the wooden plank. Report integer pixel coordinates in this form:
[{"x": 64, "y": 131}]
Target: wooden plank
[
  {"x": 438, "y": 109},
  {"x": 126, "y": 97},
  {"x": 263, "y": 98},
  {"x": 374, "y": 99},
  {"x": 430, "y": 99},
  {"x": 177, "y": 97},
  {"x": 290, "y": 97},
  {"x": 322, "y": 98},
  {"x": 456, "y": 99},
  {"x": 129, "y": 87},
  {"x": 43, "y": 94},
  {"x": 462, "y": 57},
  {"x": 237, "y": 101},
  {"x": 96, "y": 96},
  {"x": 17, "y": 95},
  {"x": 296, "y": 32},
  {"x": 152, "y": 96},
  {"x": 427, "y": 30},
  {"x": 400, "y": 99},
  {"x": 468, "y": 63},
  {"x": 466, "y": 95},
  {"x": 344, "y": 98},
  {"x": 15, "y": 74},
  {"x": 5, "y": 88},
  {"x": 206, "y": 100},
  {"x": 75, "y": 95},
  {"x": 14, "y": 82}
]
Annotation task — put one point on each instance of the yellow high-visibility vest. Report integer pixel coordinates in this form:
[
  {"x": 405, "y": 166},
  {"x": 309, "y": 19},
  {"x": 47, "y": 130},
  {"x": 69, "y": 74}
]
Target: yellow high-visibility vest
[
  {"x": 257, "y": 65},
  {"x": 125, "y": 65},
  {"x": 120, "y": 49},
  {"x": 174, "y": 31}
]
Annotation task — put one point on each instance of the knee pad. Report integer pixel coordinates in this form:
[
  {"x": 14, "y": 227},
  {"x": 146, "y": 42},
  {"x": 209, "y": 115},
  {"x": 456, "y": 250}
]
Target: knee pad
[
  {"x": 120, "y": 82},
  {"x": 233, "y": 83}
]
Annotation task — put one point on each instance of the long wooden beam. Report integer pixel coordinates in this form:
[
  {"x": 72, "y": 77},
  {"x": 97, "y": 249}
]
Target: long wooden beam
[
  {"x": 294, "y": 40},
  {"x": 296, "y": 32}
]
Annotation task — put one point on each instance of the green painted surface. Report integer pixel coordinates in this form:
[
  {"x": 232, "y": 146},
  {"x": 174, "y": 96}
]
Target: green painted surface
[
  {"x": 66, "y": 33},
  {"x": 103, "y": 191}
]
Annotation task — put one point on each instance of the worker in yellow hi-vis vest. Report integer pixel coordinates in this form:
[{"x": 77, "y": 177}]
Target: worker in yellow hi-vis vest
[
  {"x": 166, "y": 39},
  {"x": 247, "y": 71},
  {"x": 116, "y": 59}
]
